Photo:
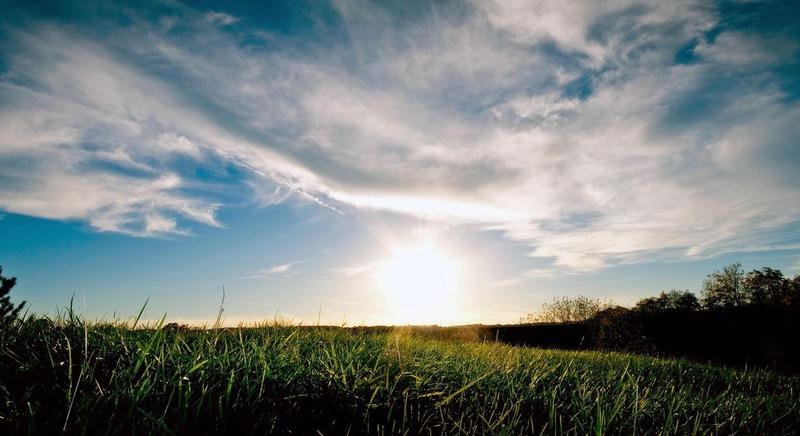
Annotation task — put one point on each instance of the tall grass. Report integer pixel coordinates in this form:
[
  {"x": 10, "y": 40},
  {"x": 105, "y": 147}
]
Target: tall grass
[{"x": 77, "y": 377}]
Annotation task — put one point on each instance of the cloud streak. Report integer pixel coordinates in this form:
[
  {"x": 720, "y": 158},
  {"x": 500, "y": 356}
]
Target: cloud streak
[
  {"x": 275, "y": 271},
  {"x": 594, "y": 142}
]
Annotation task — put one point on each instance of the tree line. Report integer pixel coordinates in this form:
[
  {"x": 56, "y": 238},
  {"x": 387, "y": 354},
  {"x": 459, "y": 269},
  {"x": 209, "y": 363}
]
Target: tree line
[{"x": 727, "y": 288}]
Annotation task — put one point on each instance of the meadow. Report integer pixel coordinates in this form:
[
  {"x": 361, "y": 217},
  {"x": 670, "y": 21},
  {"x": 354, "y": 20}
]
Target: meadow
[{"x": 66, "y": 375}]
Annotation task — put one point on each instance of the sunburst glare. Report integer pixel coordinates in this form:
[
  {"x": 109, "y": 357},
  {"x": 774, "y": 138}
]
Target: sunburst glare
[{"x": 421, "y": 283}]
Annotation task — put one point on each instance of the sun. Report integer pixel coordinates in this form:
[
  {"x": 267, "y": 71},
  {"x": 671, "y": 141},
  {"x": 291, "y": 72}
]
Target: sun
[{"x": 421, "y": 285}]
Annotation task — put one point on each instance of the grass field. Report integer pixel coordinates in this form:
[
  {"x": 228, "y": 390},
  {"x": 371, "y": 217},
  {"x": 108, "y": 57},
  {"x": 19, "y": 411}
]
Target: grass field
[{"x": 104, "y": 378}]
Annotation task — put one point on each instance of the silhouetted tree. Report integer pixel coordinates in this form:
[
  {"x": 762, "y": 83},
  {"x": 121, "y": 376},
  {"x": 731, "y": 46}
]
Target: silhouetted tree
[
  {"x": 672, "y": 300},
  {"x": 567, "y": 309},
  {"x": 794, "y": 292},
  {"x": 7, "y": 310},
  {"x": 767, "y": 286},
  {"x": 725, "y": 288}
]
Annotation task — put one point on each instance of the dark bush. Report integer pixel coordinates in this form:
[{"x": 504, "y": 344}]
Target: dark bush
[
  {"x": 567, "y": 309},
  {"x": 619, "y": 328},
  {"x": 672, "y": 300},
  {"x": 8, "y": 311}
]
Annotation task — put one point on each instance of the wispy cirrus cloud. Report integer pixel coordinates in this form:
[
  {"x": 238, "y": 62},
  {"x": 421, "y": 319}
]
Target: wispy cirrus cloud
[
  {"x": 274, "y": 271},
  {"x": 220, "y": 18},
  {"x": 357, "y": 270},
  {"x": 596, "y": 134}
]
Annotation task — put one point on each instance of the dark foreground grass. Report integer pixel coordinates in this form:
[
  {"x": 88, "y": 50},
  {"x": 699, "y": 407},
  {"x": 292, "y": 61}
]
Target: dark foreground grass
[{"x": 100, "y": 378}]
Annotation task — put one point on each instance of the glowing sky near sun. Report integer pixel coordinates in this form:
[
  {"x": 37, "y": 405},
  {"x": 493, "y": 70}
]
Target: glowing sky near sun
[{"x": 421, "y": 284}]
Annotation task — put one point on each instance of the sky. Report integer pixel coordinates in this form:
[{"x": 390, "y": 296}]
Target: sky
[{"x": 160, "y": 150}]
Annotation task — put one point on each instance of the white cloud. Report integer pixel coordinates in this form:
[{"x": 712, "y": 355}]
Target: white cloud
[
  {"x": 107, "y": 202},
  {"x": 220, "y": 18},
  {"x": 599, "y": 30},
  {"x": 357, "y": 270},
  {"x": 84, "y": 111},
  {"x": 742, "y": 50},
  {"x": 277, "y": 270}
]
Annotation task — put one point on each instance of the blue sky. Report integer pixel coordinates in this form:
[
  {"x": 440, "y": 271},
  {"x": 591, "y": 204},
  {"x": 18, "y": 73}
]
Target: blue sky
[{"x": 167, "y": 149}]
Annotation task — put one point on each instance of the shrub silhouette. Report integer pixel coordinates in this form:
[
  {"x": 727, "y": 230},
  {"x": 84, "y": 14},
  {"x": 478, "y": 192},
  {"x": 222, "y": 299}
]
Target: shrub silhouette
[
  {"x": 672, "y": 300},
  {"x": 567, "y": 309},
  {"x": 8, "y": 312}
]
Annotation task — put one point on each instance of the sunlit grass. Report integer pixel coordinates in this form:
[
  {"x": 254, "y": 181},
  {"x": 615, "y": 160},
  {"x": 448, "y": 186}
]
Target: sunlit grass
[{"x": 109, "y": 378}]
